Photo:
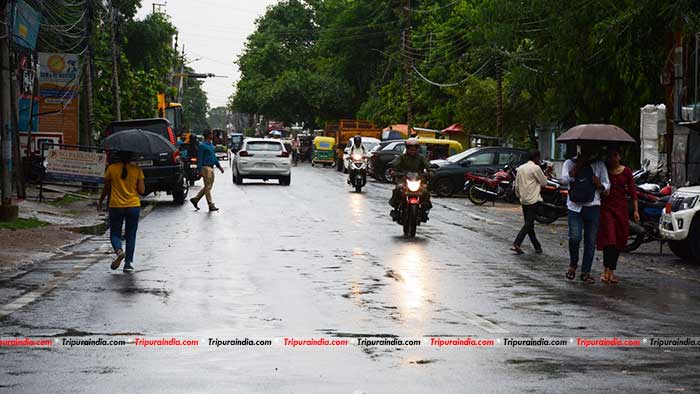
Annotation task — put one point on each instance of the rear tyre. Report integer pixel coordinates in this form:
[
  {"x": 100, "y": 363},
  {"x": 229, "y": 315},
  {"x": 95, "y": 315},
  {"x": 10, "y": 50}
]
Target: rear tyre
[
  {"x": 238, "y": 179},
  {"x": 358, "y": 188},
  {"x": 633, "y": 243},
  {"x": 286, "y": 181},
  {"x": 476, "y": 196},
  {"x": 546, "y": 215},
  {"x": 179, "y": 195},
  {"x": 388, "y": 176},
  {"x": 444, "y": 187}
]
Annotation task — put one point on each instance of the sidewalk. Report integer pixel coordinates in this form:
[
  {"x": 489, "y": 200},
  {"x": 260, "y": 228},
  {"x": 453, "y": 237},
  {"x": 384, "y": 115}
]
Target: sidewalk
[{"x": 44, "y": 229}]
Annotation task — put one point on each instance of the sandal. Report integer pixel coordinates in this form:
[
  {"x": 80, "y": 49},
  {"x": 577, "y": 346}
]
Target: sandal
[
  {"x": 604, "y": 279},
  {"x": 517, "y": 249},
  {"x": 613, "y": 280},
  {"x": 571, "y": 274},
  {"x": 587, "y": 278}
]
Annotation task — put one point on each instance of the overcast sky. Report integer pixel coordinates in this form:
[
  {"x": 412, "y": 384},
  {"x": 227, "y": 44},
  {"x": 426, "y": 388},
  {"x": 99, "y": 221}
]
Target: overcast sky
[{"x": 215, "y": 32}]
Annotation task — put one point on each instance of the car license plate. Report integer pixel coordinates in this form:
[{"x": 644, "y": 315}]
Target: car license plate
[
  {"x": 265, "y": 165},
  {"x": 193, "y": 166},
  {"x": 143, "y": 163}
]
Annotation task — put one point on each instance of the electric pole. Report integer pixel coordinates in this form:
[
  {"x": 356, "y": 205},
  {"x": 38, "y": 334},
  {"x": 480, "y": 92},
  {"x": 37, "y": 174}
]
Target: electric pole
[
  {"x": 408, "y": 64},
  {"x": 115, "y": 63},
  {"x": 8, "y": 212},
  {"x": 88, "y": 134},
  {"x": 499, "y": 97}
]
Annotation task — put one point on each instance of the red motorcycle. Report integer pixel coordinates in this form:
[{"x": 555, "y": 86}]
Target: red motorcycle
[{"x": 499, "y": 186}]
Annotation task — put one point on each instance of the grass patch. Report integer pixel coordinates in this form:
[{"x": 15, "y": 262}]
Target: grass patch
[
  {"x": 67, "y": 199},
  {"x": 22, "y": 224}
]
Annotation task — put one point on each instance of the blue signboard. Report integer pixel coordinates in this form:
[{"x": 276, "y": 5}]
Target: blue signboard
[{"x": 25, "y": 25}]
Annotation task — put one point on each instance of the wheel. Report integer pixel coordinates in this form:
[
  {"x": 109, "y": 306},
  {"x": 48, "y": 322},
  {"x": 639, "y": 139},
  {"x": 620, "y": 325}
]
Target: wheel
[
  {"x": 475, "y": 196},
  {"x": 358, "y": 188},
  {"x": 179, "y": 194},
  {"x": 286, "y": 181},
  {"x": 680, "y": 248},
  {"x": 339, "y": 165},
  {"x": 388, "y": 177},
  {"x": 410, "y": 223},
  {"x": 633, "y": 243},
  {"x": 546, "y": 215},
  {"x": 444, "y": 187},
  {"x": 238, "y": 179}
]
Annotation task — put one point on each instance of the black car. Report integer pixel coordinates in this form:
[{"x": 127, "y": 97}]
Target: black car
[
  {"x": 162, "y": 171},
  {"x": 384, "y": 154},
  {"x": 448, "y": 175}
]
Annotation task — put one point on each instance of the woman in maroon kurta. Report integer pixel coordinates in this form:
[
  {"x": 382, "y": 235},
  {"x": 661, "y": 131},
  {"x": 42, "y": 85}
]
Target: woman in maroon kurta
[{"x": 613, "y": 230}]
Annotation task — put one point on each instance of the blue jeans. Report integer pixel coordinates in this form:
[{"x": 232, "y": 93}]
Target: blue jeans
[
  {"x": 583, "y": 223},
  {"x": 117, "y": 217}
]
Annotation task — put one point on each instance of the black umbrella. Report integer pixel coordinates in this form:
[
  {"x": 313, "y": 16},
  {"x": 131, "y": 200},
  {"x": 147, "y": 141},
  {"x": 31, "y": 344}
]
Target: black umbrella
[{"x": 138, "y": 141}]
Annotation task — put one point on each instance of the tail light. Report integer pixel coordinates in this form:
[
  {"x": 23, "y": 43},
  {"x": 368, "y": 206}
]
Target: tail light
[
  {"x": 244, "y": 153},
  {"x": 547, "y": 187},
  {"x": 284, "y": 153},
  {"x": 668, "y": 207},
  {"x": 171, "y": 135},
  {"x": 193, "y": 159}
]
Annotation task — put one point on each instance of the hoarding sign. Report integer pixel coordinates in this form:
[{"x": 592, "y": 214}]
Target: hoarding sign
[
  {"x": 75, "y": 165},
  {"x": 59, "y": 76}
]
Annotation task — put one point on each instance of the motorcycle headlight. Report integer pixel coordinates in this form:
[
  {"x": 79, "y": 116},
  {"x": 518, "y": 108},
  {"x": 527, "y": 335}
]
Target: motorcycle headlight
[
  {"x": 357, "y": 157},
  {"x": 413, "y": 185}
]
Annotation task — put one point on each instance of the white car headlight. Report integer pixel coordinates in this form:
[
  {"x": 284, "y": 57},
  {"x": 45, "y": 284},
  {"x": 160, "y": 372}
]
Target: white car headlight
[
  {"x": 682, "y": 203},
  {"x": 413, "y": 185}
]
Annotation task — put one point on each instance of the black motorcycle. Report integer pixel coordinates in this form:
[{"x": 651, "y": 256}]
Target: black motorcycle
[
  {"x": 553, "y": 206},
  {"x": 410, "y": 211},
  {"x": 650, "y": 208}
]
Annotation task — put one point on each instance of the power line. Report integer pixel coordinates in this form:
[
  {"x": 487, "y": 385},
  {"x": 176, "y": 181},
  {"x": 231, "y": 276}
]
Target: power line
[{"x": 448, "y": 85}]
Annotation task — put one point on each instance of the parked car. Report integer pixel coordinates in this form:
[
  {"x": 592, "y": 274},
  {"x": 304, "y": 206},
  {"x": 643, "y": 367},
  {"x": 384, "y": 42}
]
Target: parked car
[
  {"x": 448, "y": 175},
  {"x": 680, "y": 223},
  {"x": 262, "y": 159},
  {"x": 430, "y": 148},
  {"x": 163, "y": 171}
]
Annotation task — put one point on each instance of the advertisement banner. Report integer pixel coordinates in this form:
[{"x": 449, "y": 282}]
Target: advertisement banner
[
  {"x": 75, "y": 165},
  {"x": 25, "y": 26},
  {"x": 59, "y": 83}
]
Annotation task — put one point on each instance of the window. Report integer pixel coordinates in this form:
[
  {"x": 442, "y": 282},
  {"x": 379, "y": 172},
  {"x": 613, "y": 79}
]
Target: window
[
  {"x": 400, "y": 148},
  {"x": 481, "y": 159},
  {"x": 505, "y": 158},
  {"x": 264, "y": 147}
]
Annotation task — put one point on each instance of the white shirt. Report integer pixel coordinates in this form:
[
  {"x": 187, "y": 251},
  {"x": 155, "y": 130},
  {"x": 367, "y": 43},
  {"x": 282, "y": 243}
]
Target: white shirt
[
  {"x": 599, "y": 170},
  {"x": 529, "y": 179}
]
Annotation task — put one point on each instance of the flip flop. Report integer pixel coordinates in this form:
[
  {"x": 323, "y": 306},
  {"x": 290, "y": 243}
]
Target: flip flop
[
  {"x": 570, "y": 275},
  {"x": 604, "y": 279},
  {"x": 613, "y": 281},
  {"x": 517, "y": 249},
  {"x": 587, "y": 279}
]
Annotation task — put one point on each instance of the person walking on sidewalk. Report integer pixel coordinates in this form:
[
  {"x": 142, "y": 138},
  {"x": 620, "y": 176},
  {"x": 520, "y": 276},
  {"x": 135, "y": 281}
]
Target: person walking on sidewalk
[
  {"x": 205, "y": 167},
  {"x": 529, "y": 179},
  {"x": 614, "y": 217},
  {"x": 123, "y": 183},
  {"x": 587, "y": 178}
]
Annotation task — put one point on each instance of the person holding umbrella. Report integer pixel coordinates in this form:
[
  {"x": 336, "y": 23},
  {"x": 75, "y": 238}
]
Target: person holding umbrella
[
  {"x": 588, "y": 179},
  {"x": 124, "y": 182},
  {"x": 205, "y": 168}
]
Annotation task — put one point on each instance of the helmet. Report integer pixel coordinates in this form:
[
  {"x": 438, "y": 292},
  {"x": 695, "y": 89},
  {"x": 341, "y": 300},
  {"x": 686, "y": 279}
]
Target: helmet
[
  {"x": 412, "y": 142},
  {"x": 357, "y": 141}
]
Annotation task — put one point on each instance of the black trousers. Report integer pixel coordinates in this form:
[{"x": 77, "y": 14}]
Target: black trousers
[
  {"x": 610, "y": 256},
  {"x": 529, "y": 213}
]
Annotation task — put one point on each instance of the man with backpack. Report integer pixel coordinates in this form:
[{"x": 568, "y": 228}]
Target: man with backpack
[{"x": 587, "y": 178}]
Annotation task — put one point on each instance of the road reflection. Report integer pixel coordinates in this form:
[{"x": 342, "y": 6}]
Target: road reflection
[
  {"x": 358, "y": 208},
  {"x": 411, "y": 272}
]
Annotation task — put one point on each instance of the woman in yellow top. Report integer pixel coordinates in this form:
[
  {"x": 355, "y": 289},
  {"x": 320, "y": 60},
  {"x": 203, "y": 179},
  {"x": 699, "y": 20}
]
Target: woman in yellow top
[{"x": 123, "y": 184}]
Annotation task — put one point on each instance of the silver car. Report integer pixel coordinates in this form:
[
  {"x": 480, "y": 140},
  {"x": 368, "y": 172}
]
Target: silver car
[{"x": 263, "y": 159}]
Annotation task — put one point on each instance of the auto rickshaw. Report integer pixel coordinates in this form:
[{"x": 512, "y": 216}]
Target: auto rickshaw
[
  {"x": 323, "y": 151},
  {"x": 440, "y": 149}
]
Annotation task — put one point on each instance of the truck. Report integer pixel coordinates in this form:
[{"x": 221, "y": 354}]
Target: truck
[
  {"x": 172, "y": 112},
  {"x": 344, "y": 129}
]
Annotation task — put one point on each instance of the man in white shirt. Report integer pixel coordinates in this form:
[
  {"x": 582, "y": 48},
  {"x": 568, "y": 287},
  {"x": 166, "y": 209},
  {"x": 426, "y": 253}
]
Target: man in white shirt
[
  {"x": 529, "y": 180},
  {"x": 586, "y": 177}
]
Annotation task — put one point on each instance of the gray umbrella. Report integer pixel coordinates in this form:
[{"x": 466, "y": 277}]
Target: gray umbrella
[
  {"x": 596, "y": 133},
  {"x": 138, "y": 141}
]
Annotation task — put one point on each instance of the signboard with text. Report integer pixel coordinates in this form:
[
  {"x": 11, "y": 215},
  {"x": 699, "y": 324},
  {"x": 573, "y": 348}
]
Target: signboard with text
[
  {"x": 75, "y": 165},
  {"x": 59, "y": 77}
]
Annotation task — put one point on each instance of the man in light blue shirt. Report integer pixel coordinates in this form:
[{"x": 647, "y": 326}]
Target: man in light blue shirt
[
  {"x": 584, "y": 173},
  {"x": 205, "y": 167}
]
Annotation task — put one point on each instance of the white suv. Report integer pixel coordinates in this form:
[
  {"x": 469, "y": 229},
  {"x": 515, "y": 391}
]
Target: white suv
[
  {"x": 679, "y": 224},
  {"x": 263, "y": 159}
]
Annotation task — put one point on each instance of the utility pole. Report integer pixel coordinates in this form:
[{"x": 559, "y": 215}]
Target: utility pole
[
  {"x": 115, "y": 63},
  {"x": 8, "y": 212},
  {"x": 499, "y": 97},
  {"x": 408, "y": 64},
  {"x": 88, "y": 135},
  {"x": 14, "y": 121}
]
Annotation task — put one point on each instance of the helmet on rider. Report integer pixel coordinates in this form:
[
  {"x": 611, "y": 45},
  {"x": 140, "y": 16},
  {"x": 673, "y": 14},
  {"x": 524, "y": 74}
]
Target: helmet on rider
[
  {"x": 412, "y": 146},
  {"x": 357, "y": 141}
]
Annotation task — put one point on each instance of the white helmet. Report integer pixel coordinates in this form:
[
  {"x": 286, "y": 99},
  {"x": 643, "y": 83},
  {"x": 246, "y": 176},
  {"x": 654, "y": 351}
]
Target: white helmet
[{"x": 412, "y": 142}]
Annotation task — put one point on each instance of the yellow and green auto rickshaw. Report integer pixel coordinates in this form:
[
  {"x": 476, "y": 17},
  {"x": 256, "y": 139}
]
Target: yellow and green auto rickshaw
[{"x": 323, "y": 151}]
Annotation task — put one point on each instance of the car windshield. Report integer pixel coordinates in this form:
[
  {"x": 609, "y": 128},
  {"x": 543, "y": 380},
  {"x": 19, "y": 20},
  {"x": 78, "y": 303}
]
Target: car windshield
[
  {"x": 262, "y": 146},
  {"x": 459, "y": 156},
  {"x": 369, "y": 146}
]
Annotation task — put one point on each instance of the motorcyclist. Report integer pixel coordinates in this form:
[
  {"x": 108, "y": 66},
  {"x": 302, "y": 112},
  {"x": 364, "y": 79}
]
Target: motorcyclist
[
  {"x": 296, "y": 143},
  {"x": 410, "y": 161},
  {"x": 356, "y": 148}
]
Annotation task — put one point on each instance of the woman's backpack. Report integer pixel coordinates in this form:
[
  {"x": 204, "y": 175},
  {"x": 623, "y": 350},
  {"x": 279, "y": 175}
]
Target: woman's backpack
[{"x": 581, "y": 187}]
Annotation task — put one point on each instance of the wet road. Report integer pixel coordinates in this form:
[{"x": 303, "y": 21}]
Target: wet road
[{"x": 315, "y": 260}]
